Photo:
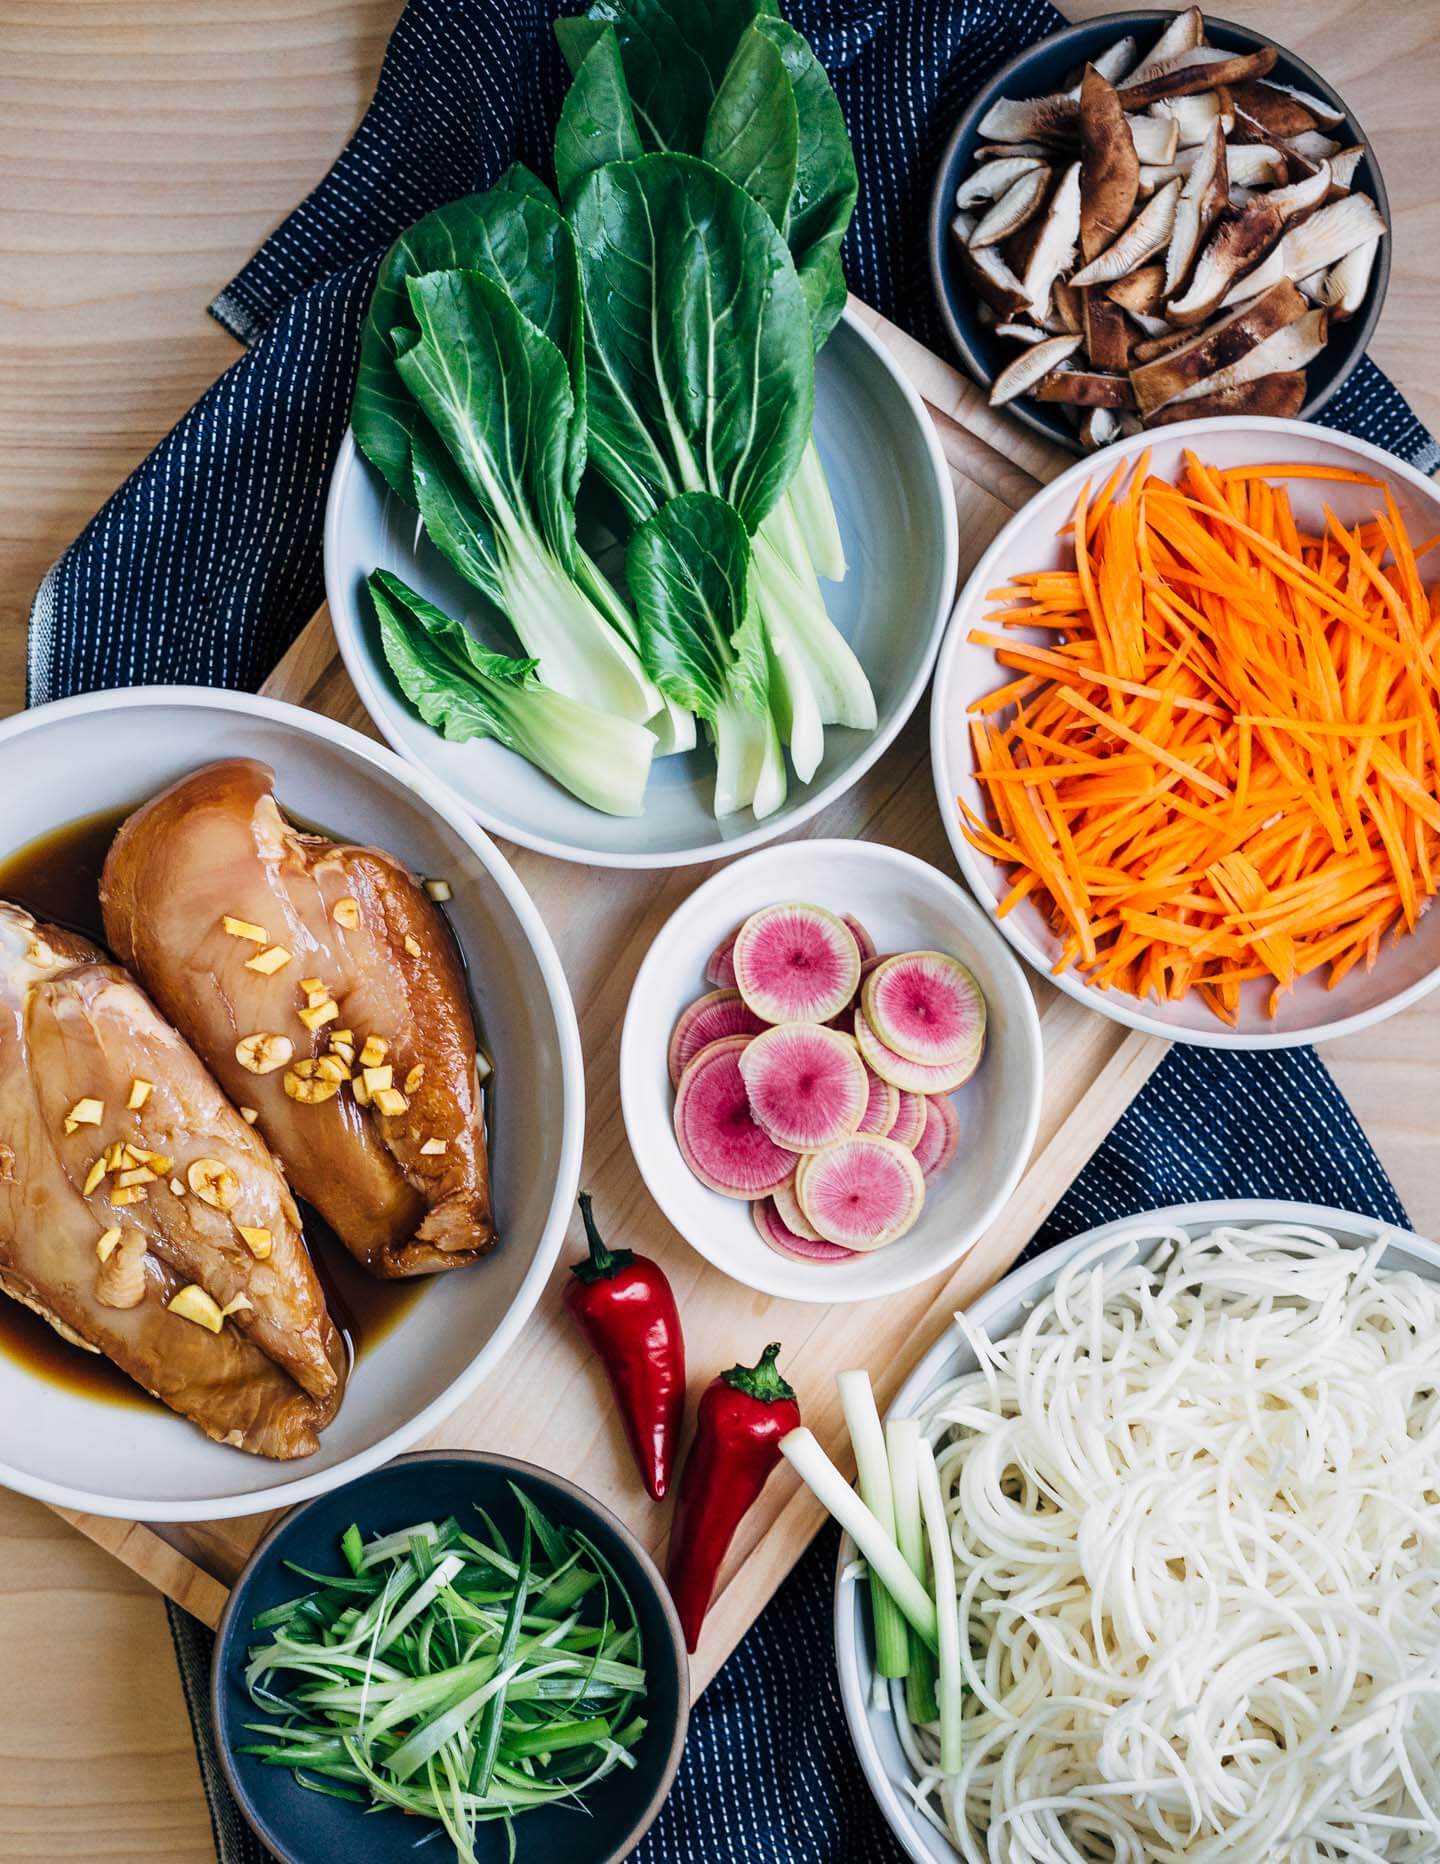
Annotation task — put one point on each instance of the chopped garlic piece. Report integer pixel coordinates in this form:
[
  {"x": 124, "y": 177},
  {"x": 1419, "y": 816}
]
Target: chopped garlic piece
[
  {"x": 344, "y": 1051},
  {"x": 250, "y": 1115},
  {"x": 378, "y": 1078},
  {"x": 115, "y": 1154},
  {"x": 107, "y": 1241},
  {"x": 346, "y": 912},
  {"x": 332, "y": 1068},
  {"x": 316, "y": 1015},
  {"x": 360, "y": 1091},
  {"x": 391, "y": 1102},
  {"x": 242, "y": 1300},
  {"x": 245, "y": 928},
  {"x": 439, "y": 890},
  {"x": 374, "y": 1052},
  {"x": 414, "y": 1078},
  {"x": 87, "y": 1112},
  {"x": 305, "y": 1083},
  {"x": 263, "y": 1053},
  {"x": 140, "y": 1092},
  {"x": 127, "y": 1194},
  {"x": 94, "y": 1175},
  {"x": 269, "y": 961},
  {"x": 177, "y": 1187},
  {"x": 313, "y": 983},
  {"x": 432, "y": 1148},
  {"x": 139, "y": 1174},
  {"x": 192, "y": 1303},
  {"x": 413, "y": 945},
  {"x": 213, "y": 1183},
  {"x": 257, "y": 1240}
]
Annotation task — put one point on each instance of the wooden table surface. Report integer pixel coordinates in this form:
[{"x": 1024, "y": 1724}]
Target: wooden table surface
[{"x": 146, "y": 148}]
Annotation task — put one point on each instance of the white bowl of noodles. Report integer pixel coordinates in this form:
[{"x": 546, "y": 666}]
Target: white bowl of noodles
[{"x": 1290, "y": 1685}]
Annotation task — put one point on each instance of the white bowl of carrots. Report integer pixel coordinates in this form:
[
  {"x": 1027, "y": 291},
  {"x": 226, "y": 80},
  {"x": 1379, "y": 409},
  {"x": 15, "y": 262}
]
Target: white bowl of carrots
[{"x": 1194, "y": 771}]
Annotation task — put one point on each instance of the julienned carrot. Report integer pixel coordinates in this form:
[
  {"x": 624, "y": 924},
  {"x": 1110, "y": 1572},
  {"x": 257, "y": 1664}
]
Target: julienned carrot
[{"x": 1220, "y": 762}]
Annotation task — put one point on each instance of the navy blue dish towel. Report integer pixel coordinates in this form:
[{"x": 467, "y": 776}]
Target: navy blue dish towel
[{"x": 206, "y": 563}]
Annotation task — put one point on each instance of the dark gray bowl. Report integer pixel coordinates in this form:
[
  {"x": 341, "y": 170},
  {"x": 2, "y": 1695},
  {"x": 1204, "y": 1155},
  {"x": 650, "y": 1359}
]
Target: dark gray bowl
[
  {"x": 1043, "y": 68},
  {"x": 304, "y": 1827}
]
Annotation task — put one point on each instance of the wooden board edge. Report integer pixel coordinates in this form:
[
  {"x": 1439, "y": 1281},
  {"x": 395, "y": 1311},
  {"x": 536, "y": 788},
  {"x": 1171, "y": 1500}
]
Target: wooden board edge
[{"x": 140, "y": 1548}]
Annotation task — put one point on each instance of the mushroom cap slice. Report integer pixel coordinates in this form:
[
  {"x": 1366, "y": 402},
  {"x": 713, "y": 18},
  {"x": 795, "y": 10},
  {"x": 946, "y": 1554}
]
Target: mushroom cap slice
[
  {"x": 986, "y": 272},
  {"x": 1141, "y": 290},
  {"x": 1344, "y": 163},
  {"x": 1281, "y": 353},
  {"x": 1030, "y": 367},
  {"x": 1099, "y": 427},
  {"x": 1184, "y": 34},
  {"x": 1255, "y": 165},
  {"x": 1148, "y": 233},
  {"x": 991, "y": 179},
  {"x": 1107, "y": 341},
  {"x": 1031, "y": 119},
  {"x": 1198, "y": 70},
  {"x": 1085, "y": 388},
  {"x": 1241, "y": 239},
  {"x": 1194, "y": 113},
  {"x": 1270, "y": 271},
  {"x": 1109, "y": 166},
  {"x": 1217, "y": 347},
  {"x": 1053, "y": 252},
  {"x": 1203, "y": 199},
  {"x": 1014, "y": 207},
  {"x": 1343, "y": 287},
  {"x": 1156, "y": 139},
  {"x": 1160, "y": 343},
  {"x": 1028, "y": 334},
  {"x": 1278, "y": 112},
  {"x": 1302, "y": 197},
  {"x": 1279, "y": 397},
  {"x": 1330, "y": 234},
  {"x": 1314, "y": 146}
]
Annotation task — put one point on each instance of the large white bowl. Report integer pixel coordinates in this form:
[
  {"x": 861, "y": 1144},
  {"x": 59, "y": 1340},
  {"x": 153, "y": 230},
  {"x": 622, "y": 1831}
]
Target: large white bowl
[
  {"x": 892, "y": 495},
  {"x": 1309, "y": 1013},
  {"x": 905, "y": 905},
  {"x": 999, "y": 1313},
  {"x": 111, "y": 750}
]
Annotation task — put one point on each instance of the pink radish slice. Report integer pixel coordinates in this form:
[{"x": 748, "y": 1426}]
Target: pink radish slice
[
  {"x": 796, "y": 964},
  {"x": 787, "y": 1242},
  {"x": 909, "y": 1119},
  {"x": 792, "y": 1216},
  {"x": 862, "y": 1193},
  {"x": 937, "y": 1144},
  {"x": 882, "y": 1108},
  {"x": 861, "y": 937},
  {"x": 720, "y": 965},
  {"x": 709, "y": 1019},
  {"x": 719, "y": 1139},
  {"x": 806, "y": 1084},
  {"x": 926, "y": 1006},
  {"x": 913, "y": 1076}
]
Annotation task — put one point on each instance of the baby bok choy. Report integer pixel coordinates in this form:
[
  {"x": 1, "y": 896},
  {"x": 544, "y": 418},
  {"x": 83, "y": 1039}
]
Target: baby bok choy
[
  {"x": 464, "y": 691},
  {"x": 453, "y": 1676}
]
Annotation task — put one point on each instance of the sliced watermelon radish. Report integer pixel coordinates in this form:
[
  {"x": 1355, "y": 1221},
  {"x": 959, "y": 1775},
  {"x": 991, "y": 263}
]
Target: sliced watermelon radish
[
  {"x": 909, "y": 1119},
  {"x": 720, "y": 965},
  {"x": 862, "y": 1193},
  {"x": 807, "y": 1085},
  {"x": 861, "y": 937},
  {"x": 709, "y": 1019},
  {"x": 883, "y": 1105},
  {"x": 787, "y": 1242},
  {"x": 913, "y": 1076},
  {"x": 718, "y": 1137},
  {"x": 938, "y": 1142},
  {"x": 796, "y": 964},
  {"x": 792, "y": 1216},
  {"x": 927, "y": 1007}
]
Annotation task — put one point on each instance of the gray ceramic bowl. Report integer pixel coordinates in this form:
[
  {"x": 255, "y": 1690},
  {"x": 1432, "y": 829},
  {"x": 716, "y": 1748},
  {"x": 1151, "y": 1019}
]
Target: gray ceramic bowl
[
  {"x": 892, "y": 493},
  {"x": 304, "y": 1827},
  {"x": 1046, "y": 67}
]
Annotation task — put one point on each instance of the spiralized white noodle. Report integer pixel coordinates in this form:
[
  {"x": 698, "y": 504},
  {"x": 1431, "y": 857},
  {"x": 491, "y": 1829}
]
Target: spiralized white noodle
[{"x": 1195, "y": 1504}]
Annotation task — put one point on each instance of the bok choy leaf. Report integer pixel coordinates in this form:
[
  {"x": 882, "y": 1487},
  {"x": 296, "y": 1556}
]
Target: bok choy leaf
[{"x": 464, "y": 691}]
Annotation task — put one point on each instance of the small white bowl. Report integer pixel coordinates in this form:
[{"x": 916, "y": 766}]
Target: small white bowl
[
  {"x": 999, "y": 1312},
  {"x": 111, "y": 750},
  {"x": 1309, "y": 1013},
  {"x": 896, "y": 510},
  {"x": 905, "y": 905}
]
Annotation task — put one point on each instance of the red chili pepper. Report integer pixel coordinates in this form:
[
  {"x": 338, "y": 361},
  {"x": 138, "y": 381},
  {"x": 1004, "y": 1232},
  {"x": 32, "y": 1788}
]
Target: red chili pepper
[
  {"x": 743, "y": 1415},
  {"x": 627, "y": 1308}
]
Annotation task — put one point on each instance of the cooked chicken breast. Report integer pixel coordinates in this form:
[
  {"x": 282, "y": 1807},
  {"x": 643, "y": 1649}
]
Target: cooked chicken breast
[
  {"x": 323, "y": 988},
  {"x": 128, "y": 1183}
]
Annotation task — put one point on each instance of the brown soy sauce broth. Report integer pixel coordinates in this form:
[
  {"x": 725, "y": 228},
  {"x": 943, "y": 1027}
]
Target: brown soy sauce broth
[{"x": 57, "y": 878}]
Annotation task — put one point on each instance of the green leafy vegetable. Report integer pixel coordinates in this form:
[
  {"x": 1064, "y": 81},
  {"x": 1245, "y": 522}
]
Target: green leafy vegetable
[
  {"x": 688, "y": 570},
  {"x": 452, "y": 1679},
  {"x": 464, "y": 691},
  {"x": 597, "y": 123},
  {"x": 752, "y": 133}
]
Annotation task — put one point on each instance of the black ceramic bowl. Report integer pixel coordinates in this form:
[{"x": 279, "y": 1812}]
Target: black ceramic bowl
[
  {"x": 1048, "y": 66},
  {"x": 305, "y": 1827}
]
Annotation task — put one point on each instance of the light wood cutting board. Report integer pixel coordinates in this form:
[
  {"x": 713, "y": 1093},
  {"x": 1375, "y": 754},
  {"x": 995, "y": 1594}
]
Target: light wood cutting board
[{"x": 548, "y": 1401}]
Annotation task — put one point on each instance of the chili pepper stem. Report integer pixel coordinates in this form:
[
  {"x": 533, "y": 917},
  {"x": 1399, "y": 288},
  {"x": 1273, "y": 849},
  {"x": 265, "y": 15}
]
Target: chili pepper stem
[
  {"x": 763, "y": 1380},
  {"x": 603, "y": 1261}
]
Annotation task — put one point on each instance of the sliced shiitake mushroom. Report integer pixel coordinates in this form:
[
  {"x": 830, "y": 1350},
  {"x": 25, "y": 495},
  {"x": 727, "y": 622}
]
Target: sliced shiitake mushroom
[
  {"x": 1159, "y": 343},
  {"x": 1255, "y": 165},
  {"x": 1031, "y": 119},
  {"x": 1270, "y": 271},
  {"x": 1185, "y": 33},
  {"x": 1085, "y": 388},
  {"x": 1240, "y": 240},
  {"x": 1203, "y": 198},
  {"x": 1314, "y": 146},
  {"x": 1099, "y": 427},
  {"x": 1344, "y": 163},
  {"x": 1150, "y": 327},
  {"x": 1021, "y": 333},
  {"x": 1029, "y": 367},
  {"x": 991, "y": 179},
  {"x": 1002, "y": 151},
  {"x": 1053, "y": 252},
  {"x": 986, "y": 272},
  {"x": 1217, "y": 346},
  {"x": 1065, "y": 307},
  {"x": 1281, "y": 353},
  {"x": 1279, "y": 397},
  {"x": 1140, "y": 290},
  {"x": 1014, "y": 207},
  {"x": 1109, "y": 166},
  {"x": 1277, "y": 111},
  {"x": 1301, "y": 197},
  {"x": 1193, "y": 113},
  {"x": 1155, "y": 138},
  {"x": 1148, "y": 233},
  {"x": 1329, "y": 234},
  {"x": 1342, "y": 289},
  {"x": 1107, "y": 342},
  {"x": 1197, "y": 70}
]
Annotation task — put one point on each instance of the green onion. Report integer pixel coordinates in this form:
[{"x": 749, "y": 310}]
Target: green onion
[
  {"x": 452, "y": 1676},
  {"x": 902, "y": 1440},
  {"x": 857, "y": 1400},
  {"x": 947, "y": 1607}
]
